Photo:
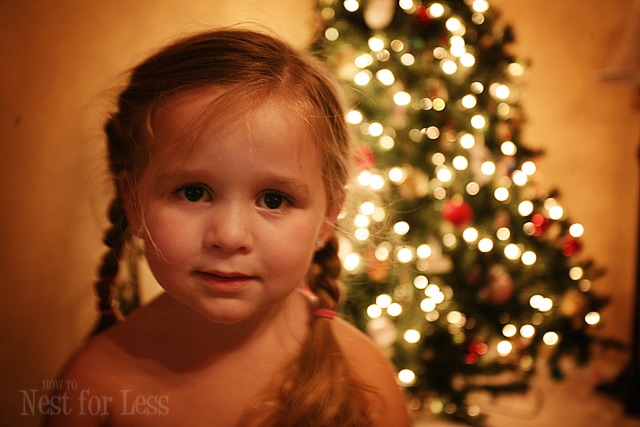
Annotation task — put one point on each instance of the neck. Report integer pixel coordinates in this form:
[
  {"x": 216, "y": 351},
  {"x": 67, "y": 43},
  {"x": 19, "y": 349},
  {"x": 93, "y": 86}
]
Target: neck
[{"x": 283, "y": 322}]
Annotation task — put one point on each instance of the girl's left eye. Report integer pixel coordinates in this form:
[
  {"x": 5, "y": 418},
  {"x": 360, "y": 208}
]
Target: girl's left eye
[{"x": 273, "y": 200}]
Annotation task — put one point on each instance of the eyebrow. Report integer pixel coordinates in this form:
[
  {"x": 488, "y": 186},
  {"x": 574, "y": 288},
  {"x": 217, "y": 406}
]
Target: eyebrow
[{"x": 268, "y": 179}]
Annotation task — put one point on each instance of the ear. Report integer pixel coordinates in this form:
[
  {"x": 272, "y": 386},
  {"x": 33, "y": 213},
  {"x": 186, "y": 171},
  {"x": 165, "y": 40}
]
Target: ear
[
  {"x": 328, "y": 227},
  {"x": 129, "y": 202}
]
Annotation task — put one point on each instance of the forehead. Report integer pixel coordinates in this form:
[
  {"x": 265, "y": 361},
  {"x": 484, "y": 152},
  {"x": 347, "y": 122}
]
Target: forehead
[
  {"x": 205, "y": 118},
  {"x": 227, "y": 110}
]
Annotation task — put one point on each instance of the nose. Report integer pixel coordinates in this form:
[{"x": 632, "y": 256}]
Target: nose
[{"x": 229, "y": 229}]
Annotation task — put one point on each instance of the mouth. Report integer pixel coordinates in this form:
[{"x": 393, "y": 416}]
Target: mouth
[{"x": 226, "y": 282}]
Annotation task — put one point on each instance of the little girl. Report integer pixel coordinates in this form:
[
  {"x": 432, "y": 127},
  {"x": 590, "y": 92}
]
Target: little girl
[{"x": 230, "y": 155}]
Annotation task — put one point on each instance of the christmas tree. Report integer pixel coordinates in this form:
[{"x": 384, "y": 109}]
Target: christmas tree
[{"x": 458, "y": 262}]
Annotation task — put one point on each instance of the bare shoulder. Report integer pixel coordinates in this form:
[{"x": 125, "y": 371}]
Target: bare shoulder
[
  {"x": 87, "y": 384},
  {"x": 369, "y": 363}
]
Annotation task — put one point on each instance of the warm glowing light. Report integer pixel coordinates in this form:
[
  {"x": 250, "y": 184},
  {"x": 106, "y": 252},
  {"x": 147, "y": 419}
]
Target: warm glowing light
[
  {"x": 477, "y": 87},
  {"x": 467, "y": 140},
  {"x": 351, "y": 262},
  {"x": 551, "y": 338},
  {"x": 385, "y": 76},
  {"x": 436, "y": 10},
  {"x": 361, "y": 220},
  {"x": 470, "y": 235},
  {"x": 354, "y": 117},
  {"x": 525, "y": 207},
  {"x": 376, "y": 44},
  {"x": 519, "y": 178},
  {"x": 407, "y": 59},
  {"x": 411, "y": 336},
  {"x": 535, "y": 301},
  {"x": 529, "y": 167},
  {"x": 375, "y": 129},
  {"x": 377, "y": 182},
  {"x": 509, "y": 330},
  {"x": 401, "y": 228},
  {"x": 382, "y": 253},
  {"x": 512, "y": 251},
  {"x": 396, "y": 174},
  {"x": 364, "y": 178},
  {"x": 363, "y": 61},
  {"x": 527, "y": 331},
  {"x": 472, "y": 188},
  {"x": 480, "y": 6},
  {"x": 469, "y": 101},
  {"x": 427, "y": 305},
  {"x": 405, "y": 255},
  {"x": 478, "y": 121},
  {"x": 367, "y": 208},
  {"x": 401, "y": 98},
  {"x": 502, "y": 92},
  {"x": 456, "y": 318},
  {"x": 460, "y": 163},
  {"x": 331, "y": 34},
  {"x": 501, "y": 194},
  {"x": 545, "y": 305},
  {"x": 448, "y": 66},
  {"x": 592, "y": 318},
  {"x": 444, "y": 174},
  {"x": 576, "y": 230},
  {"x": 394, "y": 309},
  {"x": 362, "y": 78},
  {"x": 485, "y": 245},
  {"x": 454, "y": 25},
  {"x": 438, "y": 158},
  {"x": 423, "y": 251},
  {"x": 508, "y": 148},
  {"x": 439, "y": 104},
  {"x": 386, "y": 142},
  {"x": 467, "y": 60},
  {"x": 504, "y": 347},
  {"x": 384, "y": 300},
  {"x": 488, "y": 168},
  {"x": 361, "y": 234},
  {"x": 374, "y": 311},
  {"x": 556, "y": 212},
  {"x": 433, "y": 132},
  {"x": 503, "y": 233},
  {"x": 576, "y": 273},
  {"x": 420, "y": 282},
  {"x": 515, "y": 69},
  {"x": 406, "y": 377}
]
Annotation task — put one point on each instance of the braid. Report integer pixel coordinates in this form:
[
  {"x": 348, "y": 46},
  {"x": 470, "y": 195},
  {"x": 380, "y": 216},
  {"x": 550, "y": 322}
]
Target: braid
[
  {"x": 319, "y": 389},
  {"x": 115, "y": 239},
  {"x": 116, "y": 236},
  {"x": 324, "y": 273}
]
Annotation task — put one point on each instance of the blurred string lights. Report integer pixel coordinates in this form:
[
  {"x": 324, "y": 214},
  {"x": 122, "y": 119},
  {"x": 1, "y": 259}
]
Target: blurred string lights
[{"x": 450, "y": 228}]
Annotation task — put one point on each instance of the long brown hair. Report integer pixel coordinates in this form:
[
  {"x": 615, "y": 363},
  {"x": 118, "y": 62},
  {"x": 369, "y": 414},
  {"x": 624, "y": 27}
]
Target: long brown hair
[{"x": 319, "y": 390}]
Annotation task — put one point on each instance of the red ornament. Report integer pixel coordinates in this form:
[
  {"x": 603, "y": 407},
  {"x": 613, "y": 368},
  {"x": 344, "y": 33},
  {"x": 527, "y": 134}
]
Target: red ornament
[
  {"x": 457, "y": 211},
  {"x": 423, "y": 16},
  {"x": 365, "y": 158},
  {"x": 541, "y": 224},
  {"x": 570, "y": 245}
]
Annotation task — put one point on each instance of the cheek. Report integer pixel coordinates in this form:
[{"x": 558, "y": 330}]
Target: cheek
[{"x": 167, "y": 243}]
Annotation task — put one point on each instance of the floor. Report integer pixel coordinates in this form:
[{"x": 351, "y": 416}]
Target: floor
[{"x": 572, "y": 402}]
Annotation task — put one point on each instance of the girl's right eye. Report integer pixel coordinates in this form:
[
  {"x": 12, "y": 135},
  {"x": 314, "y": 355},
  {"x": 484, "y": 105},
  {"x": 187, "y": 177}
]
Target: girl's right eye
[{"x": 193, "y": 193}]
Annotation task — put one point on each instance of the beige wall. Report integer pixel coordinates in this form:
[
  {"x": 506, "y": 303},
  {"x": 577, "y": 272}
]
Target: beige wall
[{"x": 60, "y": 59}]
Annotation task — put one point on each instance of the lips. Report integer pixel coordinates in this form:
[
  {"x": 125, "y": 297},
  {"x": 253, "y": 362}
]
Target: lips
[{"x": 226, "y": 282}]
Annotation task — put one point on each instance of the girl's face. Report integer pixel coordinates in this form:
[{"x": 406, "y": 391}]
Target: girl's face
[{"x": 231, "y": 222}]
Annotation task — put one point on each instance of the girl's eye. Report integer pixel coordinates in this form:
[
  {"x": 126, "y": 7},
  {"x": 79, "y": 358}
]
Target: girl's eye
[
  {"x": 192, "y": 193},
  {"x": 273, "y": 200}
]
